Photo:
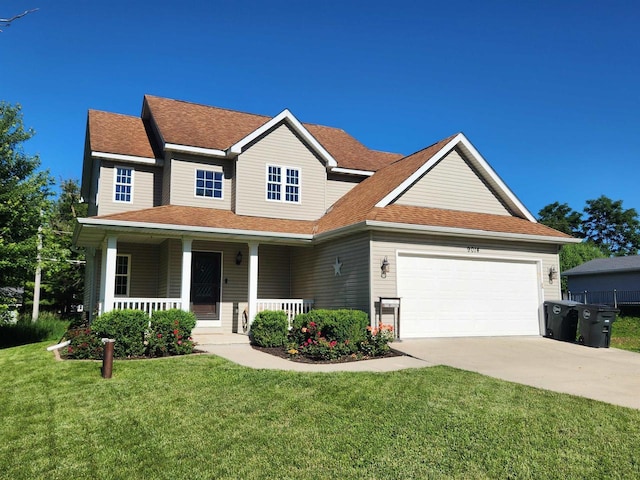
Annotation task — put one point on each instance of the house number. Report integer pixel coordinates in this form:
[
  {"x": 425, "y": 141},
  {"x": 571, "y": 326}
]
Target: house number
[{"x": 473, "y": 249}]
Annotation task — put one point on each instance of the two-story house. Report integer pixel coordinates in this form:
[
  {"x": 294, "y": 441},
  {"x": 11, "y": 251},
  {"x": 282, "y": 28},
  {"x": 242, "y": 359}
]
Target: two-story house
[{"x": 227, "y": 213}]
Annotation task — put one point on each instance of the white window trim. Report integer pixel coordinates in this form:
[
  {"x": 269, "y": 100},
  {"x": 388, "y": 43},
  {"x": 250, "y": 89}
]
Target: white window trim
[
  {"x": 195, "y": 184},
  {"x": 128, "y": 256},
  {"x": 283, "y": 184},
  {"x": 115, "y": 182}
]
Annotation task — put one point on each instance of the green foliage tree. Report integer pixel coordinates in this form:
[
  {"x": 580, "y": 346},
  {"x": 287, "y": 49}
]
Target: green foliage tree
[
  {"x": 575, "y": 254},
  {"x": 24, "y": 198},
  {"x": 63, "y": 265},
  {"x": 613, "y": 229},
  {"x": 561, "y": 217}
]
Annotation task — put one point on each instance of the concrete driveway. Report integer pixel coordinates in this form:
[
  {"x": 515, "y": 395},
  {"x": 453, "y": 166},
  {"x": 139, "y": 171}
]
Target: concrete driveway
[{"x": 605, "y": 374}]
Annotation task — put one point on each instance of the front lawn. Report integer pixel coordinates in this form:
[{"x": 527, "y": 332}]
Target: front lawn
[{"x": 204, "y": 417}]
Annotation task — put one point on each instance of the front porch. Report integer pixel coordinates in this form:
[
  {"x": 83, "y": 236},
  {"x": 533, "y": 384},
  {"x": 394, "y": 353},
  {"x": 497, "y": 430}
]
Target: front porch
[{"x": 225, "y": 284}]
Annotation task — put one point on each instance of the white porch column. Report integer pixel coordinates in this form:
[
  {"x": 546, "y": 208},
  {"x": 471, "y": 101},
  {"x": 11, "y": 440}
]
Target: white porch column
[
  {"x": 185, "y": 289},
  {"x": 253, "y": 281},
  {"x": 108, "y": 280}
]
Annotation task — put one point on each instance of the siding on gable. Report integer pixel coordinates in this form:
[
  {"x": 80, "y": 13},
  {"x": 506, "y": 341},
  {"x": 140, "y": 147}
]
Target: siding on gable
[
  {"x": 183, "y": 180},
  {"x": 280, "y": 147},
  {"x": 338, "y": 186},
  {"x": 147, "y": 186},
  {"x": 313, "y": 275},
  {"x": 453, "y": 184}
]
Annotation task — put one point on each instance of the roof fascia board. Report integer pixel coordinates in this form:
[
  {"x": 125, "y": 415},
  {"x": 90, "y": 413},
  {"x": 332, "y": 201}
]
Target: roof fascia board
[
  {"x": 127, "y": 158},
  {"x": 480, "y": 161},
  {"x": 162, "y": 227},
  {"x": 396, "y": 192},
  {"x": 467, "y": 232},
  {"x": 285, "y": 116},
  {"x": 351, "y": 171},
  {"x": 208, "y": 152}
]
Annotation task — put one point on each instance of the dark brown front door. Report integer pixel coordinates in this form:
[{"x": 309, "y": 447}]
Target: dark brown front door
[{"x": 205, "y": 285}]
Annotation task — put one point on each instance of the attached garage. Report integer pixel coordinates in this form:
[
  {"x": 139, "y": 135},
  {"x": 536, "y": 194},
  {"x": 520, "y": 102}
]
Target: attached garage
[{"x": 450, "y": 296}]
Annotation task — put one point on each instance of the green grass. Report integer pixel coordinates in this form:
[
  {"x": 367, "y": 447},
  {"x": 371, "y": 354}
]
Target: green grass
[
  {"x": 625, "y": 334},
  {"x": 47, "y": 327},
  {"x": 202, "y": 417}
]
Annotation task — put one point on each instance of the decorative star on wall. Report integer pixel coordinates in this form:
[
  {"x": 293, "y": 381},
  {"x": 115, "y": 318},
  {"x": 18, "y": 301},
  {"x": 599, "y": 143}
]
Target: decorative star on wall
[{"x": 337, "y": 267}]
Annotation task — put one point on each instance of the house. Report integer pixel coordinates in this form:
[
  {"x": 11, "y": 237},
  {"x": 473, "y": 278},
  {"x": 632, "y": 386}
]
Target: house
[
  {"x": 227, "y": 213},
  {"x": 611, "y": 281}
]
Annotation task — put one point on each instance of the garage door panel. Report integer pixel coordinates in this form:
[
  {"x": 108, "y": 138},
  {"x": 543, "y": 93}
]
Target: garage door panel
[{"x": 444, "y": 296}]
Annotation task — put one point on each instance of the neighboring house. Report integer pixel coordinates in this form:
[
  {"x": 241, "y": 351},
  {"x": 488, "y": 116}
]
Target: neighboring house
[
  {"x": 613, "y": 281},
  {"x": 227, "y": 213}
]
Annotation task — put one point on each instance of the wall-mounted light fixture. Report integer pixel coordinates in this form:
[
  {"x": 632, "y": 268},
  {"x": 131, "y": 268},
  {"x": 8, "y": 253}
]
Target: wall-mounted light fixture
[
  {"x": 553, "y": 274},
  {"x": 384, "y": 267},
  {"x": 239, "y": 258}
]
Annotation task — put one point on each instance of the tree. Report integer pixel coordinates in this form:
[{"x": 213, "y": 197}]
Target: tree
[
  {"x": 574, "y": 254},
  {"x": 63, "y": 265},
  {"x": 6, "y": 22},
  {"x": 24, "y": 199},
  {"x": 614, "y": 230},
  {"x": 561, "y": 217}
]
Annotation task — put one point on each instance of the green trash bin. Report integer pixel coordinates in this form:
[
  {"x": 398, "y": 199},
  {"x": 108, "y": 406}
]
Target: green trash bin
[
  {"x": 561, "y": 320},
  {"x": 595, "y": 324}
]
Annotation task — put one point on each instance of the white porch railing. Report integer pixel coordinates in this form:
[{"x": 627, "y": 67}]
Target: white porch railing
[
  {"x": 148, "y": 305},
  {"x": 292, "y": 306}
]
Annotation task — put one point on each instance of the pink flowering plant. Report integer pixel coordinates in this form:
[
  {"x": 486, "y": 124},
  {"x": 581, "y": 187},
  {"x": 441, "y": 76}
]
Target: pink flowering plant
[
  {"x": 317, "y": 346},
  {"x": 377, "y": 340},
  {"x": 169, "y": 333},
  {"x": 84, "y": 344}
]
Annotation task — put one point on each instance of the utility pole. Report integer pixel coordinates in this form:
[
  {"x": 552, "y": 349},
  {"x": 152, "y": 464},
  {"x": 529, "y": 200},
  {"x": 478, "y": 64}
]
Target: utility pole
[{"x": 36, "y": 287}]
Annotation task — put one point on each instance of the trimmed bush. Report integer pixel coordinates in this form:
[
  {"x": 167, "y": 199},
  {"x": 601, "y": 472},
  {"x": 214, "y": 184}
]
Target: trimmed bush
[
  {"x": 269, "y": 329},
  {"x": 170, "y": 333},
  {"x": 84, "y": 344},
  {"x": 127, "y": 327},
  {"x": 335, "y": 325}
]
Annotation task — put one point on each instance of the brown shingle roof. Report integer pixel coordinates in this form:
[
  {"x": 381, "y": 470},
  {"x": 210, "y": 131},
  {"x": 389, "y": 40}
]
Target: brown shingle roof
[
  {"x": 356, "y": 204},
  {"x": 121, "y": 134},
  {"x": 435, "y": 217},
  {"x": 211, "y": 218},
  {"x": 196, "y": 125}
]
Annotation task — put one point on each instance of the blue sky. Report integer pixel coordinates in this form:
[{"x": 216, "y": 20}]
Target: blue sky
[{"x": 547, "y": 91}]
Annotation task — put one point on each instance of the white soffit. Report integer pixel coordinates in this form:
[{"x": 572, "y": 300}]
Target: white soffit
[
  {"x": 477, "y": 160},
  {"x": 287, "y": 116},
  {"x": 209, "y": 152},
  {"x": 127, "y": 158},
  {"x": 351, "y": 171}
]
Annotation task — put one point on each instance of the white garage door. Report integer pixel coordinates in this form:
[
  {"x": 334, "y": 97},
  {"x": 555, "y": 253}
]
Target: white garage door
[{"x": 453, "y": 297}]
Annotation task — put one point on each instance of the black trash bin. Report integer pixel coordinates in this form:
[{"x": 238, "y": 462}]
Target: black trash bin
[
  {"x": 561, "y": 320},
  {"x": 595, "y": 324}
]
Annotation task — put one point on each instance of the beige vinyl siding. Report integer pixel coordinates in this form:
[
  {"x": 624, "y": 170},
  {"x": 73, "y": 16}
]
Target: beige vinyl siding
[
  {"x": 338, "y": 186},
  {"x": 94, "y": 189},
  {"x": 90, "y": 293},
  {"x": 183, "y": 182},
  {"x": 146, "y": 191},
  {"x": 388, "y": 245},
  {"x": 274, "y": 271},
  {"x": 280, "y": 147},
  {"x": 454, "y": 185},
  {"x": 313, "y": 274},
  {"x": 163, "y": 269},
  {"x": 144, "y": 268},
  {"x": 166, "y": 181}
]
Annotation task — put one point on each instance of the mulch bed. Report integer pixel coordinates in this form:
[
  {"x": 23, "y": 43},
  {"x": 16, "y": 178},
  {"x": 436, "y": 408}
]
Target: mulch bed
[{"x": 282, "y": 353}]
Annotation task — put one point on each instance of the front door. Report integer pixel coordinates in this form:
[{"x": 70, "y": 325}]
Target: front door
[{"x": 205, "y": 286}]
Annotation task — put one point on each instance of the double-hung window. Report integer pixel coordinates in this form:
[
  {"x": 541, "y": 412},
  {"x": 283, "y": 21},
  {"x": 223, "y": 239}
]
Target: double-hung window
[
  {"x": 123, "y": 185},
  {"x": 123, "y": 274},
  {"x": 283, "y": 184},
  {"x": 208, "y": 184}
]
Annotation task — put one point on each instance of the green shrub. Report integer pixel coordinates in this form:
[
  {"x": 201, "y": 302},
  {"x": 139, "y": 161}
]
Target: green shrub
[
  {"x": 269, "y": 329},
  {"x": 335, "y": 325},
  {"x": 170, "y": 333},
  {"x": 127, "y": 327},
  {"x": 85, "y": 344},
  {"x": 377, "y": 340}
]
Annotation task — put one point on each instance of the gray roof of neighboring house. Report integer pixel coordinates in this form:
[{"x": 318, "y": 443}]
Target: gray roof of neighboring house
[{"x": 606, "y": 265}]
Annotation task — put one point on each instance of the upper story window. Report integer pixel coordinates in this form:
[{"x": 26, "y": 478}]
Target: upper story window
[
  {"x": 123, "y": 191},
  {"x": 283, "y": 184},
  {"x": 208, "y": 184}
]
